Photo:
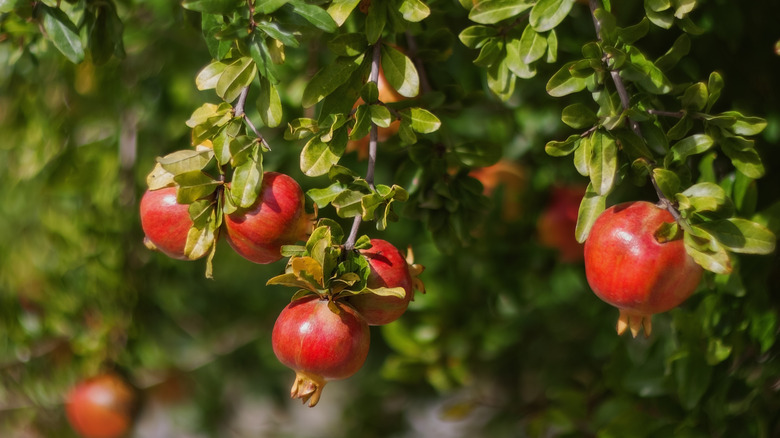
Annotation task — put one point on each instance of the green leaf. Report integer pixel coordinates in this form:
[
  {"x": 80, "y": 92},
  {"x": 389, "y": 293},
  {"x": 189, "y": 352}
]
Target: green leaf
[
  {"x": 513, "y": 59},
  {"x": 695, "y": 97},
  {"x": 552, "y": 47},
  {"x": 63, "y": 33},
  {"x": 269, "y": 105},
  {"x": 273, "y": 30},
  {"x": 400, "y": 71},
  {"x": 315, "y": 15},
  {"x": 236, "y": 77},
  {"x": 301, "y": 128},
  {"x": 208, "y": 77},
  {"x": 223, "y": 7},
  {"x": 644, "y": 73},
  {"x": 667, "y": 181},
  {"x": 744, "y": 125},
  {"x": 746, "y": 161},
  {"x": 562, "y": 83},
  {"x": 695, "y": 144},
  {"x": 474, "y": 37},
  {"x": 221, "y": 142},
  {"x": 631, "y": 34},
  {"x": 477, "y": 153},
  {"x": 10, "y": 5},
  {"x": 376, "y": 21},
  {"x": 705, "y": 250},
  {"x": 247, "y": 179},
  {"x": 159, "y": 178},
  {"x": 317, "y": 157},
  {"x": 563, "y": 148},
  {"x": 493, "y": 11},
  {"x": 579, "y": 116},
  {"x": 603, "y": 163},
  {"x": 187, "y": 160},
  {"x": 546, "y": 14},
  {"x": 324, "y": 196},
  {"x": 741, "y": 235},
  {"x": 421, "y": 120},
  {"x": 339, "y": 10},
  {"x": 348, "y": 203},
  {"x": 681, "y": 128},
  {"x": 591, "y": 207},
  {"x": 348, "y": 44},
  {"x": 683, "y": 8},
  {"x": 693, "y": 376},
  {"x": 201, "y": 240},
  {"x": 532, "y": 45},
  {"x": 680, "y": 48},
  {"x": 329, "y": 79},
  {"x": 582, "y": 156},
  {"x": 714, "y": 86},
  {"x": 414, "y": 10},
  {"x": 193, "y": 186},
  {"x": 706, "y": 196}
]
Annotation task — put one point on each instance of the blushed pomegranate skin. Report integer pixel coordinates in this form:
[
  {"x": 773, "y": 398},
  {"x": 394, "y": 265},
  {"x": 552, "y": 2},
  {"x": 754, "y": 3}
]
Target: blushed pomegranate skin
[
  {"x": 557, "y": 223},
  {"x": 627, "y": 267},
  {"x": 319, "y": 344},
  {"x": 277, "y": 218},
  {"x": 388, "y": 269},
  {"x": 101, "y": 407},
  {"x": 165, "y": 222}
]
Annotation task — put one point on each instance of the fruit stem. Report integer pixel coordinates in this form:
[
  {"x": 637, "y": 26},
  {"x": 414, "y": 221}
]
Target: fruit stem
[{"x": 372, "y": 146}]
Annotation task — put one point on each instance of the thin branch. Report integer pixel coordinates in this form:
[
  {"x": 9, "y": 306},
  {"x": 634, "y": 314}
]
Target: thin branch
[
  {"x": 372, "y": 146},
  {"x": 238, "y": 111}
]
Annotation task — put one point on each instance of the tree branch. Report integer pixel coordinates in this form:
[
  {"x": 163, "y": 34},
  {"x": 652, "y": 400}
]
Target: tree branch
[
  {"x": 372, "y": 146},
  {"x": 238, "y": 111}
]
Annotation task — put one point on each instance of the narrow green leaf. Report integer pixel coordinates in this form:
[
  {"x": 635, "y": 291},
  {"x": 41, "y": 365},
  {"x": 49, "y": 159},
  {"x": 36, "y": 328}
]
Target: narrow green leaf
[
  {"x": 562, "y": 83},
  {"x": 552, "y": 47},
  {"x": 315, "y": 15},
  {"x": 493, "y": 11},
  {"x": 714, "y": 87},
  {"x": 339, "y": 10},
  {"x": 400, "y": 71},
  {"x": 63, "y": 33},
  {"x": 474, "y": 37},
  {"x": 631, "y": 34},
  {"x": 236, "y": 77},
  {"x": 223, "y": 7},
  {"x": 324, "y": 196},
  {"x": 582, "y": 156},
  {"x": 680, "y": 48},
  {"x": 603, "y": 163},
  {"x": 563, "y": 148},
  {"x": 269, "y": 105},
  {"x": 329, "y": 79},
  {"x": 546, "y": 14},
  {"x": 186, "y": 160},
  {"x": 695, "y": 144},
  {"x": 591, "y": 207},
  {"x": 741, "y": 235},
  {"x": 376, "y": 21},
  {"x": 247, "y": 179},
  {"x": 422, "y": 120}
]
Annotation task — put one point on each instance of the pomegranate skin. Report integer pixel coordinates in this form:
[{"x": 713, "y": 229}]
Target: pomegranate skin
[
  {"x": 319, "y": 344},
  {"x": 627, "y": 267},
  {"x": 101, "y": 407},
  {"x": 277, "y": 218},
  {"x": 165, "y": 222},
  {"x": 388, "y": 269}
]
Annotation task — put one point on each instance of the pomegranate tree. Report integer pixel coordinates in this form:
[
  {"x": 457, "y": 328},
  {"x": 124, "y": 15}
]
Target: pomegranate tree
[
  {"x": 629, "y": 267},
  {"x": 322, "y": 340},
  {"x": 101, "y": 407},
  {"x": 277, "y": 218},
  {"x": 165, "y": 222},
  {"x": 388, "y": 269}
]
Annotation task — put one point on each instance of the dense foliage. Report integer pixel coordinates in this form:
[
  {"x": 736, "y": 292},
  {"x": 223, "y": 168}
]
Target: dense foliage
[{"x": 669, "y": 101}]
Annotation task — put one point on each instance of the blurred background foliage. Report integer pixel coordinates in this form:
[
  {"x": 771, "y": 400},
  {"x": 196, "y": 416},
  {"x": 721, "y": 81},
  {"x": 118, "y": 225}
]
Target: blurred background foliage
[{"x": 508, "y": 341}]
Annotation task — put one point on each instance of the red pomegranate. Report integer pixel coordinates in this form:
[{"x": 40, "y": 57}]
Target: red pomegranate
[
  {"x": 277, "y": 218},
  {"x": 165, "y": 222},
  {"x": 321, "y": 340},
  {"x": 629, "y": 268},
  {"x": 388, "y": 269},
  {"x": 557, "y": 223},
  {"x": 101, "y": 407}
]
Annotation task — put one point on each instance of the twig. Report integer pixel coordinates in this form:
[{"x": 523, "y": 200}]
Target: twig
[
  {"x": 372, "y": 144},
  {"x": 238, "y": 111}
]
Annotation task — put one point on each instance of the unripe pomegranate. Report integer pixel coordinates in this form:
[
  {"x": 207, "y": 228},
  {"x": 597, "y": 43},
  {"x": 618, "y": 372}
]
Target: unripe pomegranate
[
  {"x": 165, "y": 222},
  {"x": 557, "y": 223},
  {"x": 388, "y": 269},
  {"x": 277, "y": 218},
  {"x": 101, "y": 407},
  {"x": 321, "y": 340},
  {"x": 628, "y": 267}
]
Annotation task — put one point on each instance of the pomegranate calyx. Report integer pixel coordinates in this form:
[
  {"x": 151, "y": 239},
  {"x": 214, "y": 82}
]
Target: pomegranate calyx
[
  {"x": 634, "y": 321},
  {"x": 307, "y": 387}
]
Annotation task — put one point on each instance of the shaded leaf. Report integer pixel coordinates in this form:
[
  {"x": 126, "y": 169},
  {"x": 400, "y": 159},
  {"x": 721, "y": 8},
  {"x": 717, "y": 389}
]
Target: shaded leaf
[
  {"x": 591, "y": 207},
  {"x": 493, "y": 11},
  {"x": 400, "y": 71},
  {"x": 546, "y": 14},
  {"x": 63, "y": 33}
]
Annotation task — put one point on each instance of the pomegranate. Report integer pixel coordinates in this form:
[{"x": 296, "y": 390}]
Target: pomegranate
[
  {"x": 628, "y": 267},
  {"x": 512, "y": 177},
  {"x": 165, "y": 222},
  {"x": 101, "y": 407},
  {"x": 321, "y": 340},
  {"x": 388, "y": 269},
  {"x": 557, "y": 223},
  {"x": 277, "y": 218}
]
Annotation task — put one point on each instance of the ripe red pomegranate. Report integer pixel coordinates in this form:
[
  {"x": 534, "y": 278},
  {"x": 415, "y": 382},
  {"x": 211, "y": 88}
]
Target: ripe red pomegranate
[
  {"x": 629, "y": 268},
  {"x": 165, "y": 222},
  {"x": 101, "y": 407},
  {"x": 277, "y": 218},
  {"x": 319, "y": 344},
  {"x": 558, "y": 221},
  {"x": 388, "y": 269}
]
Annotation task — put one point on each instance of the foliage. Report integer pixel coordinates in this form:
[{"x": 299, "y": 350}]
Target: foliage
[{"x": 651, "y": 100}]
